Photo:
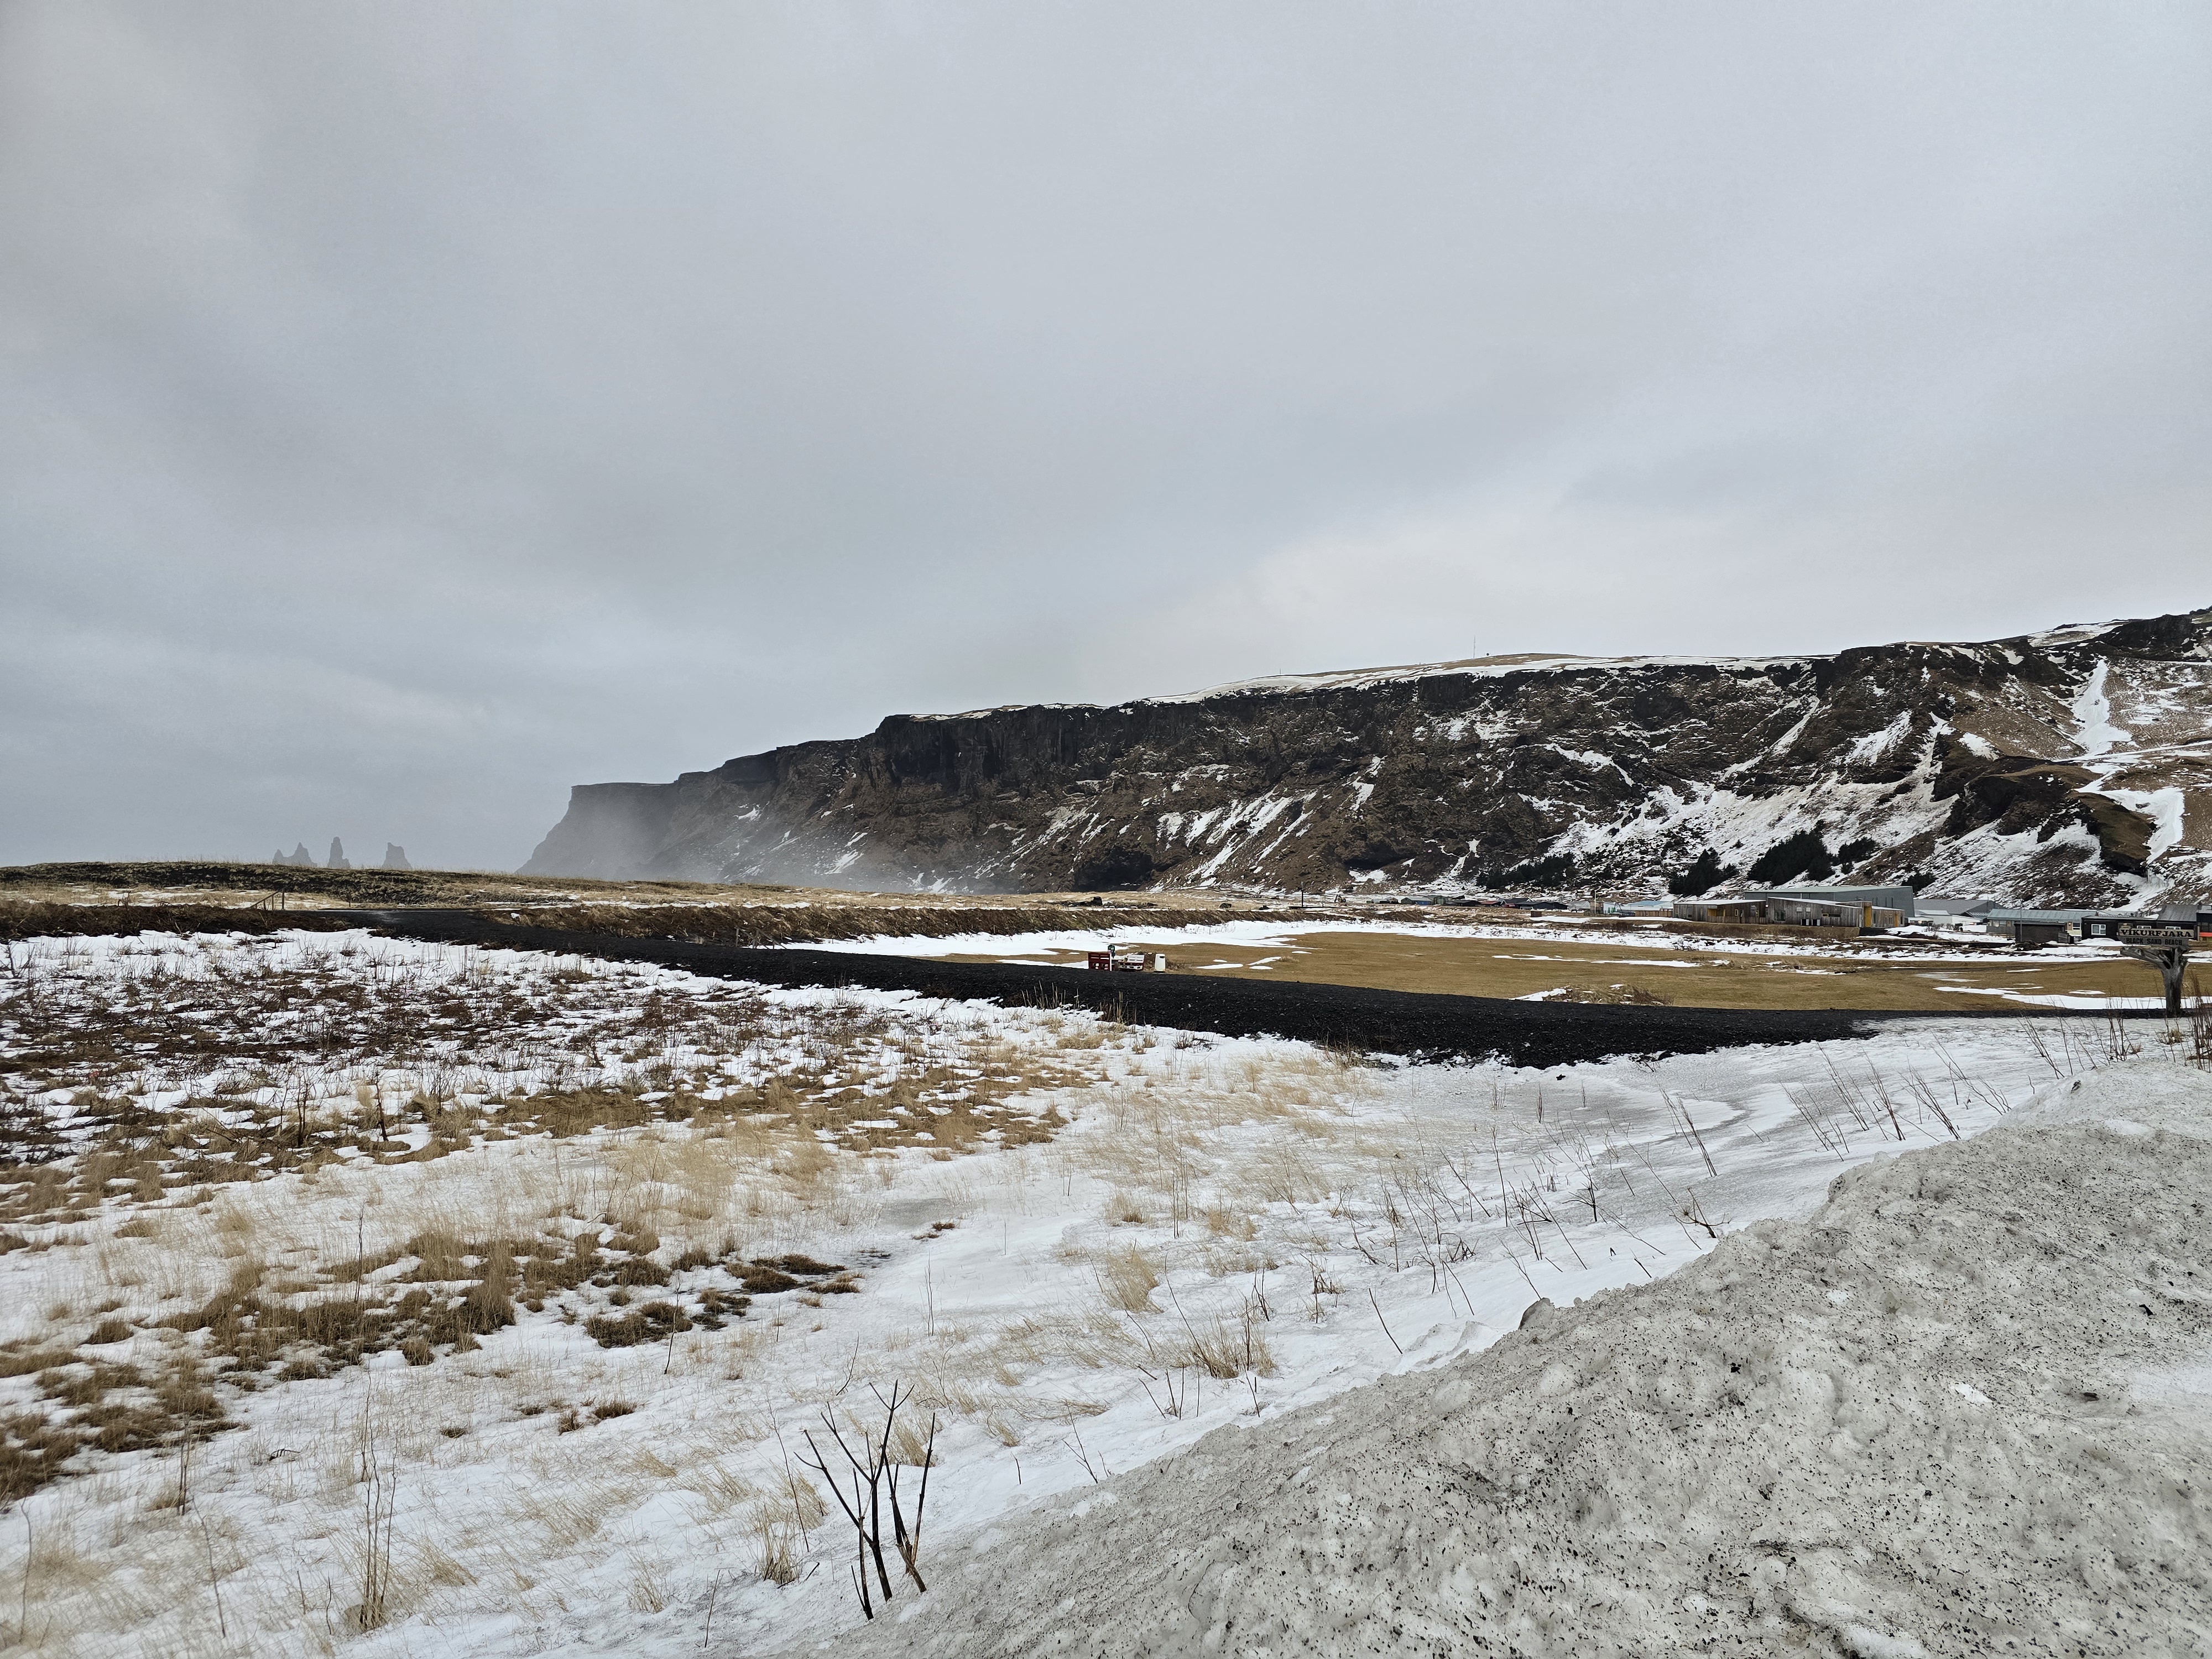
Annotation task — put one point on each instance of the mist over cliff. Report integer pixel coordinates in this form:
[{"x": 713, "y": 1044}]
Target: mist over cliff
[{"x": 2068, "y": 766}]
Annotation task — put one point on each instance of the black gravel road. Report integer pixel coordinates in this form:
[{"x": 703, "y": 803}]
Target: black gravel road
[{"x": 1408, "y": 1023}]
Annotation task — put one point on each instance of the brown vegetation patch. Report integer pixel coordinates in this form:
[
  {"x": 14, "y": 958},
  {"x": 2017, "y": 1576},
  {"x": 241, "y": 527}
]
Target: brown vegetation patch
[
  {"x": 945, "y": 1110},
  {"x": 96, "y": 1405},
  {"x": 252, "y": 885},
  {"x": 22, "y": 919},
  {"x": 250, "y": 1039},
  {"x": 756, "y": 923},
  {"x": 1873, "y": 975},
  {"x": 456, "y": 1292},
  {"x": 287, "y": 1059},
  {"x": 656, "y": 1322},
  {"x": 82, "y": 899},
  {"x": 247, "y": 1331},
  {"x": 1629, "y": 996}
]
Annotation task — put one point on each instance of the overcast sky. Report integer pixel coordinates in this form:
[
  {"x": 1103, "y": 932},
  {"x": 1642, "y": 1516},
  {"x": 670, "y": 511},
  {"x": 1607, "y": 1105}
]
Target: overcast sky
[{"x": 409, "y": 411}]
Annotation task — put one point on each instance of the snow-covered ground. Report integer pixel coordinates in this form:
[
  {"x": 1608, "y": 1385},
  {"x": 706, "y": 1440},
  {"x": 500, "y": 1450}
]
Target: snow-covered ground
[
  {"x": 1133, "y": 1238},
  {"x": 1965, "y": 1408}
]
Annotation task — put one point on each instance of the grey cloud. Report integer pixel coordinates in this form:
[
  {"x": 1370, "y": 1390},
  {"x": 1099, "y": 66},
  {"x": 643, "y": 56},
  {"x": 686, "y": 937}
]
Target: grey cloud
[{"x": 410, "y": 410}]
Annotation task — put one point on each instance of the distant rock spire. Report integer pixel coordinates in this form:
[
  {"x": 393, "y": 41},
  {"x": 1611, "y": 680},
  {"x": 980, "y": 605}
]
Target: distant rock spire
[
  {"x": 338, "y": 859},
  {"x": 395, "y": 856},
  {"x": 301, "y": 856}
]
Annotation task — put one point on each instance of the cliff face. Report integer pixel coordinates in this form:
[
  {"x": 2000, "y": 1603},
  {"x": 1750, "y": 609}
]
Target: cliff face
[{"x": 2074, "y": 766}]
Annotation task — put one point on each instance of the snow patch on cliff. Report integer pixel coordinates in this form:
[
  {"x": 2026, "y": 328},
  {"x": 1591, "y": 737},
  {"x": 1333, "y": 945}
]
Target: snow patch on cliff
[
  {"x": 2163, "y": 807},
  {"x": 2094, "y": 731}
]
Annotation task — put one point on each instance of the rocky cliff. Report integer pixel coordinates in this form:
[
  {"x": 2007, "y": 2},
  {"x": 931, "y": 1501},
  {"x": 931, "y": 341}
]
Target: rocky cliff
[{"x": 2073, "y": 766}]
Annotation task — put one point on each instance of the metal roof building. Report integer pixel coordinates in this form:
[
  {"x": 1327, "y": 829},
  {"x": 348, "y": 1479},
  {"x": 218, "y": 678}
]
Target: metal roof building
[{"x": 1899, "y": 899}]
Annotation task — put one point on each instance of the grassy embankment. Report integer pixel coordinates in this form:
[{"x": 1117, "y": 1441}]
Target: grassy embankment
[{"x": 66, "y": 900}]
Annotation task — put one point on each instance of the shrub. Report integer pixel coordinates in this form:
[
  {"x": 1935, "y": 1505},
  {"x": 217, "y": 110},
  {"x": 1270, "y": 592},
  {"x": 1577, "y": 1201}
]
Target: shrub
[
  {"x": 1702, "y": 876},
  {"x": 1555, "y": 870},
  {"x": 1804, "y": 854},
  {"x": 654, "y": 1323},
  {"x": 1856, "y": 852}
]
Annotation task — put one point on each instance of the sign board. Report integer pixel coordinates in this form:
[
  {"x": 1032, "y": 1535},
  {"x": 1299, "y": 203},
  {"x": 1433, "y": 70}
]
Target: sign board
[{"x": 2143, "y": 932}]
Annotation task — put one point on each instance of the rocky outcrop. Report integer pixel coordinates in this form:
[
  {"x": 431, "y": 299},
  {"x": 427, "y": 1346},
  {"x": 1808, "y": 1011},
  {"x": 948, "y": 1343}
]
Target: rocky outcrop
[{"x": 2073, "y": 766}]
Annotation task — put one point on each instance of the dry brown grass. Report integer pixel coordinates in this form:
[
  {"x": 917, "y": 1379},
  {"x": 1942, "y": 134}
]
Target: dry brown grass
[
  {"x": 84, "y": 899},
  {"x": 851, "y": 916},
  {"x": 656, "y": 1206},
  {"x": 1223, "y": 1347},
  {"x": 1628, "y": 972},
  {"x": 431, "y": 1295},
  {"x": 1126, "y": 1279},
  {"x": 650, "y": 1209},
  {"x": 96, "y": 1404},
  {"x": 227, "y": 1034},
  {"x": 249, "y": 886},
  {"x": 22, "y": 919},
  {"x": 1615, "y": 995}
]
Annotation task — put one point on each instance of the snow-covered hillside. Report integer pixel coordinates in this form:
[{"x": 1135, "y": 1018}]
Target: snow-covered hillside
[{"x": 2070, "y": 766}]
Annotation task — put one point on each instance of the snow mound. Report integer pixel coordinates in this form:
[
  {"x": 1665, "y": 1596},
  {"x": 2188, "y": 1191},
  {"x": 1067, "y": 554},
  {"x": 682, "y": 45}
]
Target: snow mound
[{"x": 1960, "y": 1409}]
